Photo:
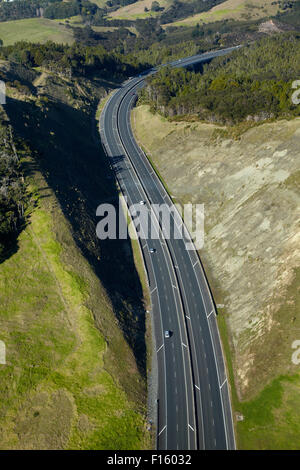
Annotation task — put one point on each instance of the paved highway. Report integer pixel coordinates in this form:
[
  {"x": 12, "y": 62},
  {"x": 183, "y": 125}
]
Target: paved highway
[{"x": 193, "y": 406}]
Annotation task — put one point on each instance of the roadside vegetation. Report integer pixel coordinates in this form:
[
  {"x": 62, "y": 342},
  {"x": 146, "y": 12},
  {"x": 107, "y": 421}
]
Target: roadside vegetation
[
  {"x": 254, "y": 83},
  {"x": 70, "y": 60}
]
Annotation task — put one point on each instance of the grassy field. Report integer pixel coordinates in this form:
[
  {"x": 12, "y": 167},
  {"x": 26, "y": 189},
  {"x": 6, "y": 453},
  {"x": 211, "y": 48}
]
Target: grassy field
[
  {"x": 270, "y": 410},
  {"x": 136, "y": 10},
  {"x": 232, "y": 9},
  {"x": 34, "y": 30}
]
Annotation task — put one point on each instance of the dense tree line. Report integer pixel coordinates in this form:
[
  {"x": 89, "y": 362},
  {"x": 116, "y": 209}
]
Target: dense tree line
[
  {"x": 119, "y": 3},
  {"x": 52, "y": 9},
  {"x": 252, "y": 83},
  {"x": 60, "y": 10},
  {"x": 13, "y": 196},
  {"x": 155, "y": 45},
  {"x": 19, "y": 9},
  {"x": 75, "y": 59},
  {"x": 87, "y": 36},
  {"x": 110, "y": 40},
  {"x": 152, "y": 44},
  {"x": 150, "y": 29},
  {"x": 121, "y": 40},
  {"x": 91, "y": 13}
]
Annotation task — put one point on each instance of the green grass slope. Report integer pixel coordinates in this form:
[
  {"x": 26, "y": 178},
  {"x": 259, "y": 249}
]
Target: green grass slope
[
  {"x": 35, "y": 30},
  {"x": 56, "y": 392}
]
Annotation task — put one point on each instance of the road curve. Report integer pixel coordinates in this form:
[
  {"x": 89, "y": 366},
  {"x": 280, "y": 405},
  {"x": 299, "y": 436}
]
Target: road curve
[{"x": 193, "y": 399}]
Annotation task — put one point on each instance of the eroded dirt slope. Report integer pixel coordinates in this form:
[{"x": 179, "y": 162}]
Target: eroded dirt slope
[{"x": 250, "y": 188}]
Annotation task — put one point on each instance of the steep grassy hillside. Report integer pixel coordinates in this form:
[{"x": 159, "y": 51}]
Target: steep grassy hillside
[
  {"x": 249, "y": 183},
  {"x": 75, "y": 332}
]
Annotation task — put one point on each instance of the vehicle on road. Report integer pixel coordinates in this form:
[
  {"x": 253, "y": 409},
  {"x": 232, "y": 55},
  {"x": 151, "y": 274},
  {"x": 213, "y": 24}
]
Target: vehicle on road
[
  {"x": 215, "y": 428},
  {"x": 142, "y": 203}
]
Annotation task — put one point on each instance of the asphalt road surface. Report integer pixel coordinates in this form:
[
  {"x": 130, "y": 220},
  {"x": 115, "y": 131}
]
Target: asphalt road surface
[{"x": 193, "y": 400}]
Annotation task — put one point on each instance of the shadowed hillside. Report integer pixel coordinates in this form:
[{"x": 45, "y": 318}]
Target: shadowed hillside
[{"x": 56, "y": 117}]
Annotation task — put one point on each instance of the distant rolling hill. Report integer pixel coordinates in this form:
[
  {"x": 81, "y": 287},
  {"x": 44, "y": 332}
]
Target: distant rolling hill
[
  {"x": 229, "y": 9},
  {"x": 234, "y": 9}
]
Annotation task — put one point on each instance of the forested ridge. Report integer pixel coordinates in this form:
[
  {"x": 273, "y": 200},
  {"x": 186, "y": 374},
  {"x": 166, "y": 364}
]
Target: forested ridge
[
  {"x": 72, "y": 60},
  {"x": 254, "y": 83},
  {"x": 145, "y": 38}
]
